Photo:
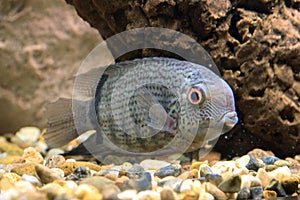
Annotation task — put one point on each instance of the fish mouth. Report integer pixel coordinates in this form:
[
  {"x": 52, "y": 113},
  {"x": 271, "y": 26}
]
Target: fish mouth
[{"x": 230, "y": 119}]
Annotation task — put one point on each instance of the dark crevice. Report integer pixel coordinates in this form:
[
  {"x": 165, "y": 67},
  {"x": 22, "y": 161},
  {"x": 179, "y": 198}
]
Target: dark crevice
[
  {"x": 257, "y": 93},
  {"x": 233, "y": 30},
  {"x": 287, "y": 114}
]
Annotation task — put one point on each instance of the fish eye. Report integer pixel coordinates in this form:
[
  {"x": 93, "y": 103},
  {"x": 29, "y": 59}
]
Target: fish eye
[{"x": 196, "y": 95}]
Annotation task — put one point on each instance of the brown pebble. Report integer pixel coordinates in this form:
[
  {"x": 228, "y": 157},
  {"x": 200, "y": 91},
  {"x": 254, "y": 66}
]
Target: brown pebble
[
  {"x": 98, "y": 181},
  {"x": 290, "y": 184},
  {"x": 269, "y": 168},
  {"x": 167, "y": 194},
  {"x": 185, "y": 166},
  {"x": 215, "y": 191},
  {"x": 31, "y": 155},
  {"x": 259, "y": 153},
  {"x": 112, "y": 177},
  {"x": 55, "y": 161},
  {"x": 110, "y": 192},
  {"x": 7, "y": 180},
  {"x": 26, "y": 168},
  {"x": 122, "y": 180},
  {"x": 189, "y": 174},
  {"x": 269, "y": 194},
  {"x": 69, "y": 167},
  {"x": 46, "y": 174}
]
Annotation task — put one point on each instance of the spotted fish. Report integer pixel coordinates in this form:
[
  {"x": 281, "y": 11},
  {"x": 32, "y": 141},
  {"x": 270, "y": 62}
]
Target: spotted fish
[{"x": 145, "y": 105}]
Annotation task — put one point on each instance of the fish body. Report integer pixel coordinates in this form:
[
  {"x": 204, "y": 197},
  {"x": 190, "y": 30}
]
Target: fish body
[{"x": 146, "y": 105}]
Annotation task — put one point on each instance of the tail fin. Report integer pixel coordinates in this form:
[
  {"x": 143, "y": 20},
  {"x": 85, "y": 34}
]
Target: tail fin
[{"x": 61, "y": 128}]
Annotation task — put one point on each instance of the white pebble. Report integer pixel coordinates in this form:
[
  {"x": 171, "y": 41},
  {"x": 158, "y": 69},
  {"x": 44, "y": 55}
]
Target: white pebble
[{"x": 127, "y": 195}]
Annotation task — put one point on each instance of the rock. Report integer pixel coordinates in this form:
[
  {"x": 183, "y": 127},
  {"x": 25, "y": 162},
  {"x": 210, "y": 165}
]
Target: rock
[
  {"x": 112, "y": 177},
  {"x": 249, "y": 181},
  {"x": 290, "y": 184},
  {"x": 232, "y": 184},
  {"x": 269, "y": 194},
  {"x": 244, "y": 193},
  {"x": 30, "y": 155},
  {"x": 43, "y": 75},
  {"x": 198, "y": 187},
  {"x": 87, "y": 192},
  {"x": 281, "y": 163},
  {"x": 52, "y": 190},
  {"x": 69, "y": 167},
  {"x": 41, "y": 147},
  {"x": 256, "y": 192},
  {"x": 11, "y": 149},
  {"x": 82, "y": 172},
  {"x": 189, "y": 174},
  {"x": 196, "y": 165},
  {"x": 269, "y": 160},
  {"x": 250, "y": 162},
  {"x": 167, "y": 194},
  {"x": 127, "y": 194},
  {"x": 136, "y": 171},
  {"x": 173, "y": 183},
  {"x": 27, "y": 136},
  {"x": 26, "y": 168},
  {"x": 259, "y": 153},
  {"x": 121, "y": 181},
  {"x": 46, "y": 174},
  {"x": 280, "y": 173},
  {"x": 215, "y": 191},
  {"x": 139, "y": 184},
  {"x": 97, "y": 181},
  {"x": 228, "y": 168},
  {"x": 204, "y": 170},
  {"x": 206, "y": 196},
  {"x": 170, "y": 170},
  {"x": 186, "y": 186},
  {"x": 148, "y": 194},
  {"x": 277, "y": 187},
  {"x": 215, "y": 179},
  {"x": 153, "y": 164},
  {"x": 23, "y": 190},
  {"x": 55, "y": 161},
  {"x": 270, "y": 168},
  {"x": 31, "y": 179},
  {"x": 8, "y": 179},
  {"x": 9, "y": 159},
  {"x": 110, "y": 192}
]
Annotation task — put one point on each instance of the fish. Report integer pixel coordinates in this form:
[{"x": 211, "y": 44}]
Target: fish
[{"x": 143, "y": 107}]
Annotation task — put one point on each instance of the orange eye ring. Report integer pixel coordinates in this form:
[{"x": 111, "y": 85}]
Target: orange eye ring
[{"x": 196, "y": 95}]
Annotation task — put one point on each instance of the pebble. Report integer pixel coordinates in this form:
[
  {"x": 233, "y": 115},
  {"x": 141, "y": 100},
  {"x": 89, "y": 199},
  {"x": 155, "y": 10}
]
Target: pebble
[
  {"x": 196, "y": 165},
  {"x": 167, "y": 194},
  {"x": 267, "y": 194},
  {"x": 186, "y": 186},
  {"x": 55, "y": 161},
  {"x": 206, "y": 196},
  {"x": 290, "y": 184},
  {"x": 27, "y": 136},
  {"x": 173, "y": 183},
  {"x": 204, "y": 170},
  {"x": 281, "y": 163},
  {"x": 256, "y": 192},
  {"x": 127, "y": 195},
  {"x": 189, "y": 174},
  {"x": 31, "y": 155},
  {"x": 269, "y": 160},
  {"x": 277, "y": 187},
  {"x": 215, "y": 179},
  {"x": 7, "y": 180},
  {"x": 136, "y": 171},
  {"x": 170, "y": 170},
  {"x": 259, "y": 153},
  {"x": 31, "y": 179},
  {"x": 264, "y": 177},
  {"x": 233, "y": 184},
  {"x": 270, "y": 168},
  {"x": 147, "y": 194},
  {"x": 11, "y": 149},
  {"x": 153, "y": 164},
  {"x": 69, "y": 167},
  {"x": 82, "y": 172},
  {"x": 139, "y": 184},
  {"x": 244, "y": 193},
  {"x": 46, "y": 174},
  {"x": 52, "y": 190},
  {"x": 215, "y": 191},
  {"x": 97, "y": 181},
  {"x": 110, "y": 192},
  {"x": 26, "y": 168},
  {"x": 280, "y": 173},
  {"x": 229, "y": 168},
  {"x": 121, "y": 181},
  {"x": 87, "y": 192}
]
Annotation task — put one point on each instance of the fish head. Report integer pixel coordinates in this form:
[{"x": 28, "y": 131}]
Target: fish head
[{"x": 211, "y": 102}]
